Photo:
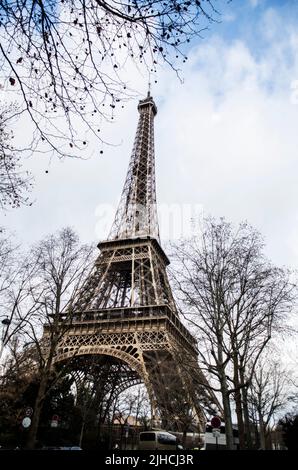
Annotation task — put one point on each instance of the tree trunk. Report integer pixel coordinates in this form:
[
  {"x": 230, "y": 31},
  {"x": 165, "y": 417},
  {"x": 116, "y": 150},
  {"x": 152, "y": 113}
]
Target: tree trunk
[
  {"x": 247, "y": 424},
  {"x": 41, "y": 394},
  {"x": 262, "y": 432},
  {"x": 99, "y": 424},
  {"x": 184, "y": 436},
  {"x": 32, "y": 435},
  {"x": 227, "y": 412},
  {"x": 225, "y": 395},
  {"x": 240, "y": 419},
  {"x": 228, "y": 422},
  {"x": 84, "y": 419},
  {"x": 238, "y": 402}
]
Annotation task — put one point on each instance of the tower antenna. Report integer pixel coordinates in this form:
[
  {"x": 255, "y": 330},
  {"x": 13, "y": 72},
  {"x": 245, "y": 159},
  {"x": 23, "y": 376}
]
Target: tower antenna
[{"x": 149, "y": 86}]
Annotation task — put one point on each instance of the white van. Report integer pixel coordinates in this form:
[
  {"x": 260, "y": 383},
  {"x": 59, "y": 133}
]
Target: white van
[{"x": 158, "y": 440}]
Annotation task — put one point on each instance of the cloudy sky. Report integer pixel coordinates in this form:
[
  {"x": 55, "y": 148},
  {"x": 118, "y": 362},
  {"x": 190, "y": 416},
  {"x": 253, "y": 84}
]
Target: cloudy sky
[{"x": 226, "y": 140}]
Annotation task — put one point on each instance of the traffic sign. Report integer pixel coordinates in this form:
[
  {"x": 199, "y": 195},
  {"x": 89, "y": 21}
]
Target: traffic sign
[
  {"x": 26, "y": 422},
  {"x": 216, "y": 422},
  {"x": 29, "y": 411},
  {"x": 216, "y": 432},
  {"x": 54, "y": 422}
]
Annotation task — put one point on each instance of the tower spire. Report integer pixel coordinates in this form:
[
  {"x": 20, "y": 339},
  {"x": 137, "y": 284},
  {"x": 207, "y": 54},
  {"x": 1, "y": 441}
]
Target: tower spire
[{"x": 136, "y": 215}]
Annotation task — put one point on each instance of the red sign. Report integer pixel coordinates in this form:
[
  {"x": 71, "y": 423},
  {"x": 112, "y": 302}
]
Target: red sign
[
  {"x": 215, "y": 422},
  {"x": 29, "y": 411}
]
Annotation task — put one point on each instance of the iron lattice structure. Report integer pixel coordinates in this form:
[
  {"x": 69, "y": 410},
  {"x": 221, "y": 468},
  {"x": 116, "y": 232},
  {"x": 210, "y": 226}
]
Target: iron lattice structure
[
  {"x": 124, "y": 327},
  {"x": 137, "y": 214}
]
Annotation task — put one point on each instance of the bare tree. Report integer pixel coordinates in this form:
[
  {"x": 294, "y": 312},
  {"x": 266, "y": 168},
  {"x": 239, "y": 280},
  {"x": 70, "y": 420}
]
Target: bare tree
[
  {"x": 16, "y": 271},
  {"x": 269, "y": 393},
  {"x": 65, "y": 59},
  {"x": 131, "y": 408},
  {"x": 57, "y": 265},
  {"x": 8, "y": 275},
  {"x": 14, "y": 182},
  {"x": 7, "y": 259},
  {"x": 233, "y": 296}
]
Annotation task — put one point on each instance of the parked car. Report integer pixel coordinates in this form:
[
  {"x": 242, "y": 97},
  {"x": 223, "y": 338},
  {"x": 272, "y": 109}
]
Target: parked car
[
  {"x": 71, "y": 448},
  {"x": 62, "y": 448}
]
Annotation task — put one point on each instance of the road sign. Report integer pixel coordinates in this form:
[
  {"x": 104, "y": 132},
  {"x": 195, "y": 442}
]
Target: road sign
[
  {"x": 216, "y": 422},
  {"x": 26, "y": 422},
  {"x": 54, "y": 422},
  {"x": 29, "y": 411},
  {"x": 216, "y": 432}
]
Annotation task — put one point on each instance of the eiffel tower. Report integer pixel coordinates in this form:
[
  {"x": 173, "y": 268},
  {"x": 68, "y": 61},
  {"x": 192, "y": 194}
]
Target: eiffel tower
[{"x": 124, "y": 326}]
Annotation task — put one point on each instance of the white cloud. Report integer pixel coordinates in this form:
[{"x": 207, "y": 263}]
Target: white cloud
[
  {"x": 254, "y": 3},
  {"x": 229, "y": 18},
  {"x": 235, "y": 140}
]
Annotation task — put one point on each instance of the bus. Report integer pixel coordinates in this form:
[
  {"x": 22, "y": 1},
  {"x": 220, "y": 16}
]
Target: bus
[
  {"x": 217, "y": 440},
  {"x": 158, "y": 440}
]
